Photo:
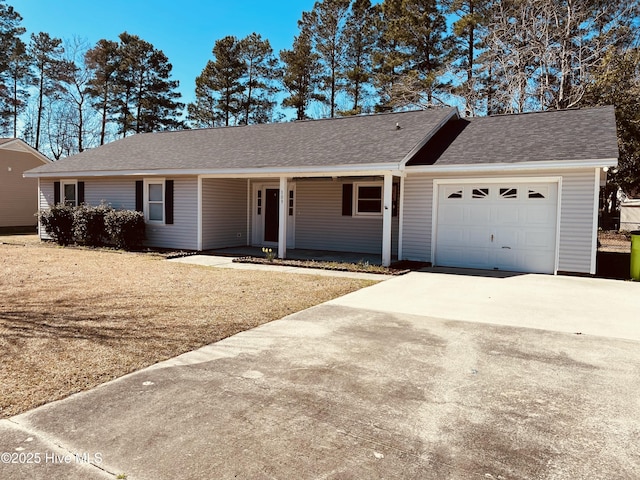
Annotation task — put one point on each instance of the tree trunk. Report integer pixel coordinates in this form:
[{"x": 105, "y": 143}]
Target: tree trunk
[{"x": 40, "y": 100}]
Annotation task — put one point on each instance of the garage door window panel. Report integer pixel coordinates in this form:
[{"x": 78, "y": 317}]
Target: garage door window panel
[
  {"x": 480, "y": 193},
  {"x": 453, "y": 192},
  {"x": 509, "y": 193},
  {"x": 538, "y": 193}
]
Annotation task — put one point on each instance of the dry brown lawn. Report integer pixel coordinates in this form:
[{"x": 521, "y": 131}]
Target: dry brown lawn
[{"x": 73, "y": 318}]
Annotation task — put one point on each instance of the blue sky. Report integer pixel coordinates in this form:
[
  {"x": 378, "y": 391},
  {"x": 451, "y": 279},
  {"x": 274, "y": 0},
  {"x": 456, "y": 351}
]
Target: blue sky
[{"x": 184, "y": 30}]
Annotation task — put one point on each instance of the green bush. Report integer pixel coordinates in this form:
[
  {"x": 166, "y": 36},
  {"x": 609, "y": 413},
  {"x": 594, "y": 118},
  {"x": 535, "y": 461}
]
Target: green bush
[
  {"x": 125, "y": 227},
  {"x": 58, "y": 223},
  {"x": 88, "y": 224}
]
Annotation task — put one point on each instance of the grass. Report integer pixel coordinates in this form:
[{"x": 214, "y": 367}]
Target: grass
[{"x": 72, "y": 318}]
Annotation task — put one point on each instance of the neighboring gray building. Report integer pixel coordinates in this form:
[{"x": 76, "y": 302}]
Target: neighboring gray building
[{"x": 512, "y": 192}]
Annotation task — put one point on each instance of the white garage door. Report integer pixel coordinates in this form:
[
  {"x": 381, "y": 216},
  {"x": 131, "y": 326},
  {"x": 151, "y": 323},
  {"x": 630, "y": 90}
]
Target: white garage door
[{"x": 497, "y": 226}]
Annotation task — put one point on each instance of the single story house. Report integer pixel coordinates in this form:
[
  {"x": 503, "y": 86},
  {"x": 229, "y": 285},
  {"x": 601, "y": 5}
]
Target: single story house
[
  {"x": 18, "y": 195},
  {"x": 512, "y": 192}
]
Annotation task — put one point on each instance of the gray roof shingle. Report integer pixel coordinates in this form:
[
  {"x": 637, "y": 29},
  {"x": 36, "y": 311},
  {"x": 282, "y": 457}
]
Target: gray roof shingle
[
  {"x": 360, "y": 141},
  {"x": 356, "y": 141},
  {"x": 561, "y": 135}
]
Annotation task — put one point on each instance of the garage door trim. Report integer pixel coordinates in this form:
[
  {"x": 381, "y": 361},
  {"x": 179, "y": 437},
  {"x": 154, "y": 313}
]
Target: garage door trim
[{"x": 437, "y": 182}]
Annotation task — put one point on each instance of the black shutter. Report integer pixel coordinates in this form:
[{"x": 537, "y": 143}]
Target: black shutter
[
  {"x": 139, "y": 195},
  {"x": 56, "y": 193},
  {"x": 394, "y": 199},
  {"x": 347, "y": 199},
  {"x": 168, "y": 202},
  {"x": 80, "y": 193}
]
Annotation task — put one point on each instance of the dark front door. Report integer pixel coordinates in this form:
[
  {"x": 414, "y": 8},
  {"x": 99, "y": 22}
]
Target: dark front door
[{"x": 271, "y": 215}]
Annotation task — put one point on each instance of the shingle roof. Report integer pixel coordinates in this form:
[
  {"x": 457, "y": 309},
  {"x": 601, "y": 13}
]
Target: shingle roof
[
  {"x": 359, "y": 140},
  {"x": 579, "y": 134}
]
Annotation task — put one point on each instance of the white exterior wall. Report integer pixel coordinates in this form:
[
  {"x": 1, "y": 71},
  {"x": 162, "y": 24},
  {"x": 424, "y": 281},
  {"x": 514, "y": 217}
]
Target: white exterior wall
[
  {"x": 577, "y": 200},
  {"x": 183, "y": 233},
  {"x": 45, "y": 200},
  {"x": 320, "y": 224},
  {"x": 224, "y": 213},
  {"x": 120, "y": 193},
  {"x": 417, "y": 215},
  {"x": 577, "y": 238}
]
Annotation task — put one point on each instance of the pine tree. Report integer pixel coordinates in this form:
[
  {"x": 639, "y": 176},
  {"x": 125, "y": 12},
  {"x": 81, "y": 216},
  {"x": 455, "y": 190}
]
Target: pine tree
[
  {"x": 220, "y": 85},
  {"x": 465, "y": 45},
  {"x": 388, "y": 57},
  {"x": 14, "y": 67},
  {"x": 359, "y": 37},
  {"x": 102, "y": 62},
  {"x": 260, "y": 72},
  {"x": 147, "y": 97},
  {"x": 326, "y": 23},
  {"x": 417, "y": 30},
  {"x": 301, "y": 72},
  {"x": 18, "y": 76},
  {"x": 47, "y": 56}
]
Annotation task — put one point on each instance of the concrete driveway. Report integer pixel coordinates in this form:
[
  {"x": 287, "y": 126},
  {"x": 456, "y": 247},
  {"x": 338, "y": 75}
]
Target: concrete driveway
[{"x": 426, "y": 376}]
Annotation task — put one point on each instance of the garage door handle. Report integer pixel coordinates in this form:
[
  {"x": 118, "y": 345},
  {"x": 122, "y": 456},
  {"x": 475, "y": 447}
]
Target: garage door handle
[{"x": 507, "y": 248}]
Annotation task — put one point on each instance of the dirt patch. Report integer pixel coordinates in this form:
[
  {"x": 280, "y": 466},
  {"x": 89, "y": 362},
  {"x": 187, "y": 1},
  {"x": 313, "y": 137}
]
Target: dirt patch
[
  {"x": 360, "y": 267},
  {"x": 614, "y": 241},
  {"x": 72, "y": 318}
]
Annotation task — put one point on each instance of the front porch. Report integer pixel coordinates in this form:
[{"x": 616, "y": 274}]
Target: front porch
[{"x": 319, "y": 217}]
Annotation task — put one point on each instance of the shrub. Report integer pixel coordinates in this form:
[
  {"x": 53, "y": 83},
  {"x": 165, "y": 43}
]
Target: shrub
[
  {"x": 58, "y": 223},
  {"x": 125, "y": 227},
  {"x": 88, "y": 224}
]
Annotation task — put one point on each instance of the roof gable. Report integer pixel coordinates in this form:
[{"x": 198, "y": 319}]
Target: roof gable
[
  {"x": 18, "y": 145},
  {"x": 561, "y": 135}
]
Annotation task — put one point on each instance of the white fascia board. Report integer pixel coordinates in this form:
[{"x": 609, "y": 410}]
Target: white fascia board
[
  {"x": 338, "y": 170},
  {"x": 429, "y": 136},
  {"x": 521, "y": 166}
]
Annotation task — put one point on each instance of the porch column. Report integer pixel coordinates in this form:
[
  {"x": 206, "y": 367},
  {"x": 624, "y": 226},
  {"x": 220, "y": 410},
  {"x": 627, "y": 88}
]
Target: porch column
[
  {"x": 282, "y": 218},
  {"x": 386, "y": 219}
]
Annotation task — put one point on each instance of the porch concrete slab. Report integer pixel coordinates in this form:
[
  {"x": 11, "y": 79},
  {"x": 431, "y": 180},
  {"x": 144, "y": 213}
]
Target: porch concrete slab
[
  {"x": 338, "y": 392},
  {"x": 227, "y": 262},
  {"x": 590, "y": 306}
]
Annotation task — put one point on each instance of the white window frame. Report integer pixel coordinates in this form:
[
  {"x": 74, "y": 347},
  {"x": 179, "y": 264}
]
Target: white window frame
[
  {"x": 63, "y": 198},
  {"x": 146, "y": 209},
  {"x": 356, "y": 191}
]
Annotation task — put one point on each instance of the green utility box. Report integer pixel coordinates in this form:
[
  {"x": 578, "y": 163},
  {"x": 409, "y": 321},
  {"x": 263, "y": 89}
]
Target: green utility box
[{"x": 635, "y": 255}]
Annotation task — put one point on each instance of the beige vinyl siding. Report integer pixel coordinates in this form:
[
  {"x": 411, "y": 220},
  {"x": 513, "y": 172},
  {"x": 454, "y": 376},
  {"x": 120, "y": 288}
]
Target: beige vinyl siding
[
  {"x": 18, "y": 195},
  {"x": 576, "y": 216},
  {"x": 224, "y": 213},
  {"x": 320, "y": 224}
]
